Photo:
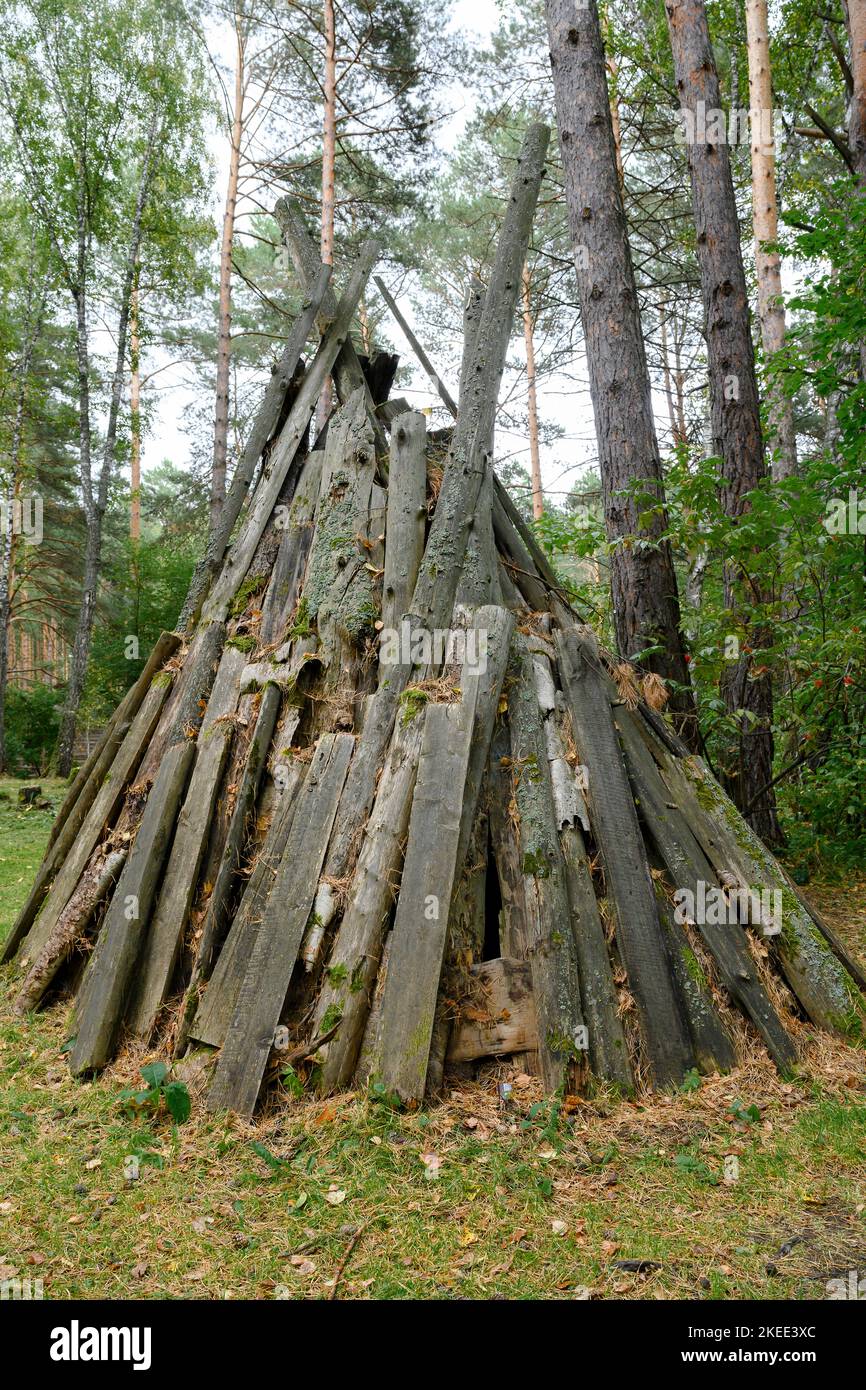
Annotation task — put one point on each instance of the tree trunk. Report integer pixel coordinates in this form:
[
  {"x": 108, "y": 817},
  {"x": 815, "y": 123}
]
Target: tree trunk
[
  {"x": 135, "y": 418},
  {"x": 855, "y": 13},
  {"x": 32, "y": 328},
  {"x": 329, "y": 151},
  {"x": 734, "y": 406},
  {"x": 643, "y": 581},
  {"x": 224, "y": 325},
  {"x": 532, "y": 398},
  {"x": 96, "y": 503},
  {"x": 768, "y": 263}
]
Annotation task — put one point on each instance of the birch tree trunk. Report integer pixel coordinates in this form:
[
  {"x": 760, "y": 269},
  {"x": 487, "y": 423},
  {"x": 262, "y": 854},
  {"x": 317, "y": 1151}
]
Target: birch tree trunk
[
  {"x": 532, "y": 397},
  {"x": 734, "y": 406},
  {"x": 95, "y": 502},
  {"x": 135, "y": 417},
  {"x": 643, "y": 580},
  {"x": 768, "y": 263},
  {"x": 329, "y": 153},
  {"x": 224, "y": 324}
]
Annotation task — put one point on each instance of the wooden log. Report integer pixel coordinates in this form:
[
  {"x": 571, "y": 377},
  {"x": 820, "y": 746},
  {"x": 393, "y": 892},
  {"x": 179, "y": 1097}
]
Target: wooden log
[
  {"x": 262, "y": 995},
  {"x": 550, "y": 946},
  {"x": 255, "y": 760},
  {"x": 823, "y": 986},
  {"x": 442, "y": 390},
  {"x": 348, "y": 372},
  {"x": 407, "y": 515},
  {"x": 261, "y": 432},
  {"x": 105, "y": 806},
  {"x": 438, "y": 576},
  {"x": 96, "y": 882},
  {"x": 268, "y": 491},
  {"x": 430, "y": 872},
  {"x": 688, "y": 866},
  {"x": 711, "y": 1041},
  {"x": 285, "y": 587},
  {"x": 112, "y": 965},
  {"x": 509, "y": 1025},
  {"x": 617, "y": 833},
  {"x": 517, "y": 558},
  {"x": 177, "y": 891},
  {"x": 72, "y": 813},
  {"x": 608, "y": 1049},
  {"x": 505, "y": 844},
  {"x": 354, "y": 957},
  {"x": 481, "y": 679},
  {"x": 165, "y": 646},
  {"x": 217, "y": 1003}
]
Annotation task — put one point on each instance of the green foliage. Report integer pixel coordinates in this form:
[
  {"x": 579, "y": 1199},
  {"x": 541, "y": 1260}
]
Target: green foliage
[
  {"x": 160, "y": 1093},
  {"x": 32, "y": 720}
]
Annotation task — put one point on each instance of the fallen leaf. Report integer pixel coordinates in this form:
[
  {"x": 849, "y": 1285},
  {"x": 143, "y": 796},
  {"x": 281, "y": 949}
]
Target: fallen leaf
[
  {"x": 334, "y": 1198},
  {"x": 558, "y": 1228}
]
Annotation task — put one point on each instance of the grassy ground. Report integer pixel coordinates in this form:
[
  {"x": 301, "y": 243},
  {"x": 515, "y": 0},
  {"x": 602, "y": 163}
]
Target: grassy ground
[{"x": 743, "y": 1187}]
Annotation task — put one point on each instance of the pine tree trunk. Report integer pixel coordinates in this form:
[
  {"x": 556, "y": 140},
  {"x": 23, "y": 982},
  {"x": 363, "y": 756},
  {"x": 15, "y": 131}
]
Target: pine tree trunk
[
  {"x": 855, "y": 12},
  {"x": 768, "y": 263},
  {"x": 735, "y": 410},
  {"x": 532, "y": 397},
  {"x": 329, "y": 151},
  {"x": 643, "y": 581}
]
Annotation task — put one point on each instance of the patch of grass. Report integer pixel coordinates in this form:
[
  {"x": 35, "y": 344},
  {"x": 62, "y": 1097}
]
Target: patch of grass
[{"x": 23, "y": 835}]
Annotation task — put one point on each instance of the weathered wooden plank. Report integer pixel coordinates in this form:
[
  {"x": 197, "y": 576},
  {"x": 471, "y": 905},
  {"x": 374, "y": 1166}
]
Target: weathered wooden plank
[
  {"x": 261, "y": 432},
  {"x": 348, "y": 373},
  {"x": 95, "y": 884},
  {"x": 217, "y": 1003},
  {"x": 688, "y": 866},
  {"x": 421, "y": 922},
  {"x": 260, "y": 1001},
  {"x": 193, "y": 827},
  {"x": 267, "y": 493},
  {"x": 354, "y": 957},
  {"x": 166, "y": 644},
  {"x": 285, "y": 586},
  {"x": 406, "y": 517},
  {"x": 83, "y": 792},
  {"x": 102, "y": 811},
  {"x": 255, "y": 760},
  {"x": 617, "y": 833},
  {"x": 507, "y": 1023},
  {"x": 550, "y": 946},
  {"x": 101, "y": 1007},
  {"x": 818, "y": 978},
  {"x": 711, "y": 1041},
  {"x": 608, "y": 1050}
]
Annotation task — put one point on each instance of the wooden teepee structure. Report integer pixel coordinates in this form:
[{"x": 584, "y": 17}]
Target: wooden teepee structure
[{"x": 381, "y": 801}]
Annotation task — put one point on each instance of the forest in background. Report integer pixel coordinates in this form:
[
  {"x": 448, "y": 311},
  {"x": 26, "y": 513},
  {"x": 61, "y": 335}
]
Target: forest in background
[{"x": 724, "y": 551}]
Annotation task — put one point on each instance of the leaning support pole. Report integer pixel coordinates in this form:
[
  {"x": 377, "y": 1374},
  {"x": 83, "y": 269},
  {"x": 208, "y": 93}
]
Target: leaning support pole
[
  {"x": 271, "y": 482},
  {"x": 260, "y": 434},
  {"x": 617, "y": 833},
  {"x": 111, "y": 968}
]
